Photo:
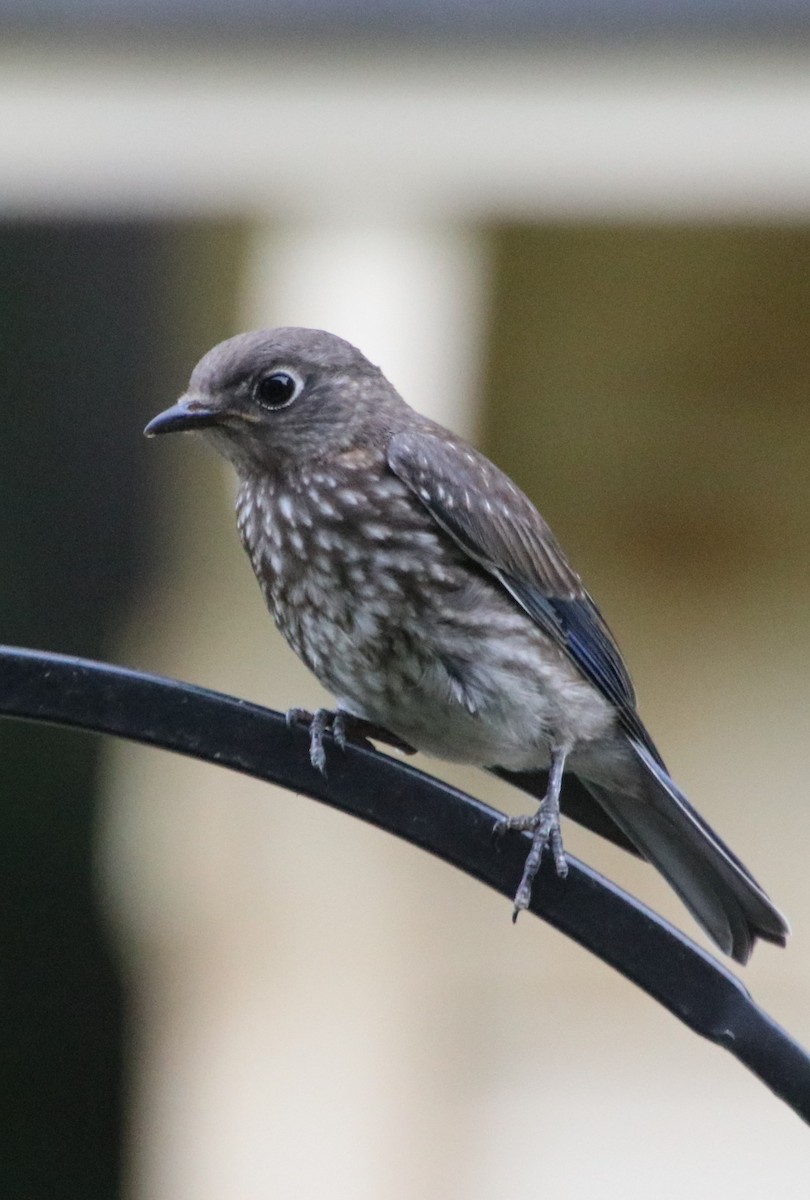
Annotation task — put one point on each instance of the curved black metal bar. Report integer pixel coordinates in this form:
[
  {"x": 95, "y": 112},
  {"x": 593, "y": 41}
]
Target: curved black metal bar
[{"x": 394, "y": 796}]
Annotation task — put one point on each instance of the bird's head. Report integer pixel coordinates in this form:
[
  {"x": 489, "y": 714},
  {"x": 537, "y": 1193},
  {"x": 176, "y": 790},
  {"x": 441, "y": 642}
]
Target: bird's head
[{"x": 279, "y": 395}]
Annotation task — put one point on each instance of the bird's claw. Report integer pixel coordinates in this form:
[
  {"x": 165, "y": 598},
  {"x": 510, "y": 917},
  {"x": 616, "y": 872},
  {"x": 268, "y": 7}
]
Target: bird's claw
[
  {"x": 544, "y": 826},
  {"x": 322, "y": 721},
  {"x": 345, "y": 727}
]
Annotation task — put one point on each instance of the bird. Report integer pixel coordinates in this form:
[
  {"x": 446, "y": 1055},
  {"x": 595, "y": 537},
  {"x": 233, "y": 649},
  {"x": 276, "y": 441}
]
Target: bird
[{"x": 426, "y": 592}]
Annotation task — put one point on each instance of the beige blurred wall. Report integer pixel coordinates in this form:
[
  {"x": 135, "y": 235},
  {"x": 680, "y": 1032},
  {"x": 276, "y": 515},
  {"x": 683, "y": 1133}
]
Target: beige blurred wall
[{"x": 648, "y": 386}]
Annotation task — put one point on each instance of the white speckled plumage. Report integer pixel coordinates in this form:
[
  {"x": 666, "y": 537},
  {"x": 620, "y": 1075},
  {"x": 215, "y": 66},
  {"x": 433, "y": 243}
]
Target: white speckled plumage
[{"x": 370, "y": 643}]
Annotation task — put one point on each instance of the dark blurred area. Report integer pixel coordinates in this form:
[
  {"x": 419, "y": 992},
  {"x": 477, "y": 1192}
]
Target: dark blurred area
[
  {"x": 81, "y": 341},
  {"x": 422, "y": 20}
]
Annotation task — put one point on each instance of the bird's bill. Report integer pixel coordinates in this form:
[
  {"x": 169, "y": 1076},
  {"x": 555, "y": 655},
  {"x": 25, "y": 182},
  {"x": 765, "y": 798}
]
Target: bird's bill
[{"x": 187, "y": 413}]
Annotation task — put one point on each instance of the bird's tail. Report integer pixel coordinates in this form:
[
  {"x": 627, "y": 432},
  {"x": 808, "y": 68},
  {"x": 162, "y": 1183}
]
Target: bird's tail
[{"x": 714, "y": 885}]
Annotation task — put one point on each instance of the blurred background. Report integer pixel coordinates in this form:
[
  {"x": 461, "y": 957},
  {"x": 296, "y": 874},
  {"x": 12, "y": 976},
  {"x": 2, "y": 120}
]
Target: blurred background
[{"x": 579, "y": 233}]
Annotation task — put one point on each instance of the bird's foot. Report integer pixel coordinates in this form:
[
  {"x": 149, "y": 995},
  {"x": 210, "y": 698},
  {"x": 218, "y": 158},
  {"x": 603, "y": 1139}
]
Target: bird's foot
[
  {"x": 322, "y": 721},
  {"x": 544, "y": 826},
  {"x": 344, "y": 728}
]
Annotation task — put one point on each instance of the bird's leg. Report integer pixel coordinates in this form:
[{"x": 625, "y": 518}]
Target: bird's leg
[
  {"x": 544, "y": 825},
  {"x": 345, "y": 728},
  {"x": 319, "y": 722}
]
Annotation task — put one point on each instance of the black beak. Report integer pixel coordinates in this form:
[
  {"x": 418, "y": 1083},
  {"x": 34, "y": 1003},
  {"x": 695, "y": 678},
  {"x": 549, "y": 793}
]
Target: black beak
[{"x": 187, "y": 413}]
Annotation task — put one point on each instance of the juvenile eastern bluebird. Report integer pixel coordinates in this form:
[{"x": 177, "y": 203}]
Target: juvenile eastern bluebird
[{"x": 426, "y": 592}]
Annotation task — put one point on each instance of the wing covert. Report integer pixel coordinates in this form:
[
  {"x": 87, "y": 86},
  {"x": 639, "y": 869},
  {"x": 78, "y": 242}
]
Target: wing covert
[{"x": 493, "y": 522}]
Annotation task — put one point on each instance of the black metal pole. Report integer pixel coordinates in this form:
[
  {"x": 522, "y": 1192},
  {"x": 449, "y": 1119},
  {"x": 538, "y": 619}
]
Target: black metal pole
[{"x": 388, "y": 793}]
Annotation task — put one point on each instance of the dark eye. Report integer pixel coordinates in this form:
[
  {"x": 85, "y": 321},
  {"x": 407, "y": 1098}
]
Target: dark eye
[{"x": 277, "y": 389}]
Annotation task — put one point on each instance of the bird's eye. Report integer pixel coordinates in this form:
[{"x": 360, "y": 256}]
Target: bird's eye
[{"x": 277, "y": 390}]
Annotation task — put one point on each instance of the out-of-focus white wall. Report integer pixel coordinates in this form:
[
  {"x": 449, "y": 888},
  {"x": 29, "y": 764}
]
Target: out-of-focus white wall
[
  {"x": 318, "y": 1009},
  {"x": 650, "y": 131}
]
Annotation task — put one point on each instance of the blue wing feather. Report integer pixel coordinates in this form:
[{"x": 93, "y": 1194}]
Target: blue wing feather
[{"x": 579, "y": 627}]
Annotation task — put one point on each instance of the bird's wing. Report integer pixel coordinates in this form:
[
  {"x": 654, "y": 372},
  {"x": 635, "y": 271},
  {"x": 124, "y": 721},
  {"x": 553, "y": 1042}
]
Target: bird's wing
[{"x": 498, "y": 526}]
